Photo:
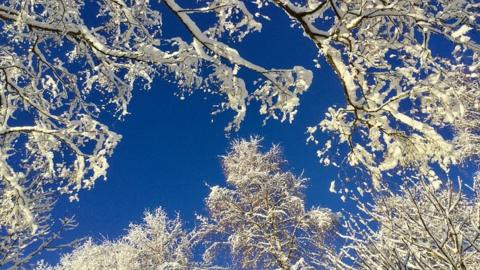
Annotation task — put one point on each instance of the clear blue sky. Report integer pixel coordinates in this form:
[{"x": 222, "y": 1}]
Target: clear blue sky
[{"x": 170, "y": 148}]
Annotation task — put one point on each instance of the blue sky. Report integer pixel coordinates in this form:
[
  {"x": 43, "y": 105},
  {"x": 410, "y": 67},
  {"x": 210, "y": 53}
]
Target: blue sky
[{"x": 170, "y": 147}]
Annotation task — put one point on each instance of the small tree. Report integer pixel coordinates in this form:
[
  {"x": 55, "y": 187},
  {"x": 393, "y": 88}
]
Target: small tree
[
  {"x": 260, "y": 219},
  {"x": 157, "y": 243},
  {"x": 422, "y": 227}
]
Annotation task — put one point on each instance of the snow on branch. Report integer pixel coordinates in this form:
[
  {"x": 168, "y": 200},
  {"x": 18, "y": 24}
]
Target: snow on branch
[{"x": 401, "y": 92}]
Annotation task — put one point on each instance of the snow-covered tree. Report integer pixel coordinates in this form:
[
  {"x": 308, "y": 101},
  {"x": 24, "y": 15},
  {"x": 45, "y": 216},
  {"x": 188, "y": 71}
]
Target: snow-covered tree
[
  {"x": 68, "y": 66},
  {"x": 401, "y": 89},
  {"x": 260, "y": 220},
  {"x": 423, "y": 226},
  {"x": 157, "y": 243}
]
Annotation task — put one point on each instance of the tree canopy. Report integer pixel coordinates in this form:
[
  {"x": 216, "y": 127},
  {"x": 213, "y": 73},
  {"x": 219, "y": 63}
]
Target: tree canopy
[{"x": 67, "y": 67}]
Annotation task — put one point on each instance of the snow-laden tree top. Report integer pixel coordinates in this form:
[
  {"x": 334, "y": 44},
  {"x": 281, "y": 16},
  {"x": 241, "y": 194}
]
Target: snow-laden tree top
[
  {"x": 63, "y": 74},
  {"x": 423, "y": 226},
  {"x": 156, "y": 243},
  {"x": 260, "y": 219}
]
